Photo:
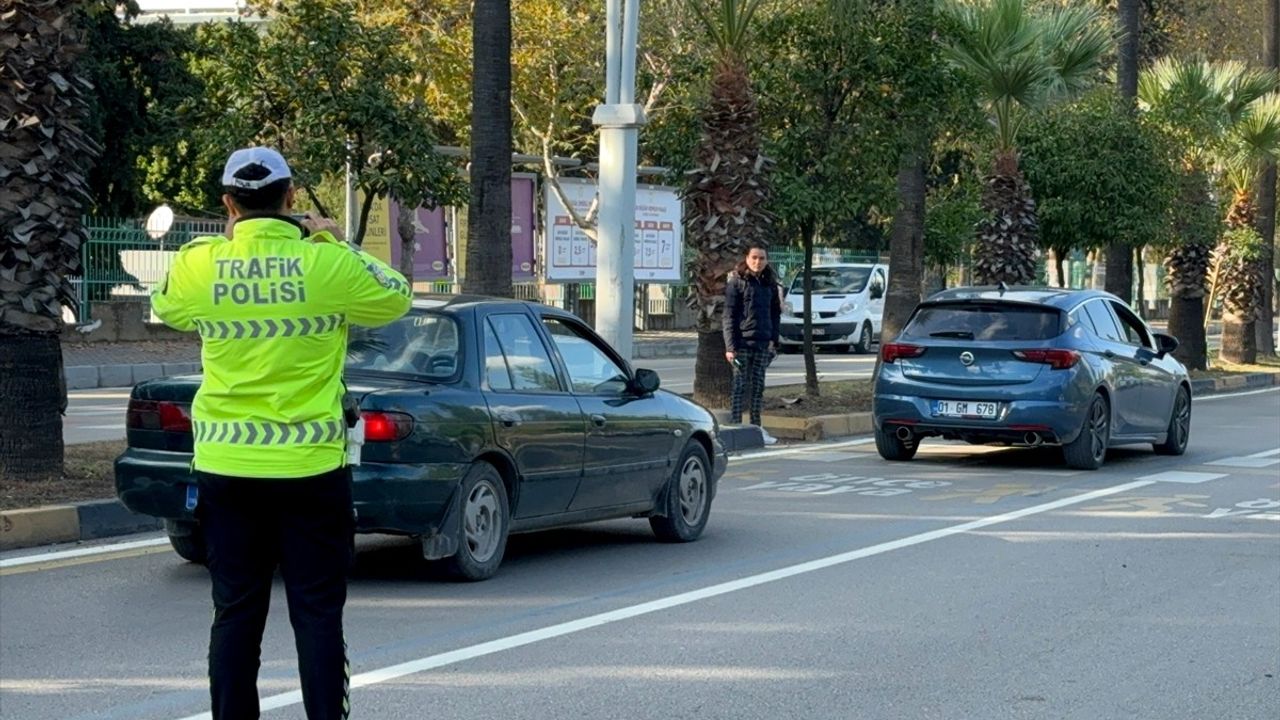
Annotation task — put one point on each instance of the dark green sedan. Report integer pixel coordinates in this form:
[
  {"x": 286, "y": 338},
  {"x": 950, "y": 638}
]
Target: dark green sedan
[{"x": 482, "y": 418}]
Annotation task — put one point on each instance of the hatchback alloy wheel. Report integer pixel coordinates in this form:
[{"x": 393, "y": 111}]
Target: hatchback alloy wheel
[{"x": 693, "y": 488}]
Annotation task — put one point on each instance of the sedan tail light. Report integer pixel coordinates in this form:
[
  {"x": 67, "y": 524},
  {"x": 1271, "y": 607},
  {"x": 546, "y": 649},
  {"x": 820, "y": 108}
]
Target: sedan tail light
[
  {"x": 892, "y": 351},
  {"x": 159, "y": 415},
  {"x": 1056, "y": 359},
  {"x": 386, "y": 426}
]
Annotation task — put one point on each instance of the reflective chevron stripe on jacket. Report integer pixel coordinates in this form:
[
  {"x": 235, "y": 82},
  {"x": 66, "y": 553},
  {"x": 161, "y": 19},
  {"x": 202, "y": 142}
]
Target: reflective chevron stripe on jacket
[
  {"x": 267, "y": 433},
  {"x": 253, "y": 329}
]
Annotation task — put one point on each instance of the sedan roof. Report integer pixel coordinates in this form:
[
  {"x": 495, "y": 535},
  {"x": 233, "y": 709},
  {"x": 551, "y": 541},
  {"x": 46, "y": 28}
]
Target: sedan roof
[
  {"x": 455, "y": 303},
  {"x": 1062, "y": 298}
]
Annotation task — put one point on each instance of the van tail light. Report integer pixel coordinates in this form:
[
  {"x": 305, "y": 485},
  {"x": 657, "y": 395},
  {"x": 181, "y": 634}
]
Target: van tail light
[
  {"x": 1056, "y": 359},
  {"x": 159, "y": 415},
  {"x": 892, "y": 351},
  {"x": 386, "y": 426}
]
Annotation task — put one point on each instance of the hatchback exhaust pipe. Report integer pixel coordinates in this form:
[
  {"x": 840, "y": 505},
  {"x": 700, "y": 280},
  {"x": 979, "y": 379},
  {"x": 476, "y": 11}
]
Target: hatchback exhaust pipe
[
  {"x": 1032, "y": 438},
  {"x": 904, "y": 433}
]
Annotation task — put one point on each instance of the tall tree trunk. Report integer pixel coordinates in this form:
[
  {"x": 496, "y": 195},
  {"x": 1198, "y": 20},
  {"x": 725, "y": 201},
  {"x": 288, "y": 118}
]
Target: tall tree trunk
[
  {"x": 807, "y": 231},
  {"x": 1266, "y": 223},
  {"x": 1119, "y": 280},
  {"x": 489, "y": 212},
  {"x": 406, "y": 231},
  {"x": 906, "y": 246},
  {"x": 34, "y": 392}
]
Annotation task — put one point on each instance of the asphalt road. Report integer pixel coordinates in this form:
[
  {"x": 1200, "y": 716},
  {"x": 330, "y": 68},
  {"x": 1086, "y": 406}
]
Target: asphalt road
[
  {"x": 100, "y": 414},
  {"x": 983, "y": 583}
]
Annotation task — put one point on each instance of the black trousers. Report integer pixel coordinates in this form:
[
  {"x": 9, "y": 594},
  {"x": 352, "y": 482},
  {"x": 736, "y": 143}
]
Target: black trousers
[
  {"x": 305, "y": 527},
  {"x": 748, "y": 381}
]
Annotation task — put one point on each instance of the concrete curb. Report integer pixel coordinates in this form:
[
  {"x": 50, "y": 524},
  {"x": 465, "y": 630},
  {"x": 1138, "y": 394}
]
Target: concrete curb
[
  {"x": 85, "y": 377},
  {"x": 108, "y": 518},
  {"x": 69, "y": 523}
]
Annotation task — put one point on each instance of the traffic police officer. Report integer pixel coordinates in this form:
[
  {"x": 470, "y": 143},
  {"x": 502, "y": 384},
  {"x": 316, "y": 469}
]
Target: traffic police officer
[{"x": 272, "y": 305}]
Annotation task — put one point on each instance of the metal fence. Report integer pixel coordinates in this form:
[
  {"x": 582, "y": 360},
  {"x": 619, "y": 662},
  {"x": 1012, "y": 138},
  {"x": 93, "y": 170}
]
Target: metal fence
[{"x": 121, "y": 262}]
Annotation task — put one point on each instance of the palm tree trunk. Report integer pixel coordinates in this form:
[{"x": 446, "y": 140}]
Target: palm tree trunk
[
  {"x": 1008, "y": 236},
  {"x": 906, "y": 246},
  {"x": 34, "y": 392},
  {"x": 1119, "y": 256},
  {"x": 1242, "y": 293},
  {"x": 489, "y": 212},
  {"x": 1186, "y": 322},
  {"x": 712, "y": 375},
  {"x": 1119, "y": 278}
]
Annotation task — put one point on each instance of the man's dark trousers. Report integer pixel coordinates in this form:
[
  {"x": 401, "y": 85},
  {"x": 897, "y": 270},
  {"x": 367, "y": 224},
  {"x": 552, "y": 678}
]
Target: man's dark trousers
[{"x": 304, "y": 526}]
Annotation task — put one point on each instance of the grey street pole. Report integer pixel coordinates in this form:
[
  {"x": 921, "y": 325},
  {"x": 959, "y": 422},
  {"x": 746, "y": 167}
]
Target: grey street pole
[
  {"x": 619, "y": 120},
  {"x": 350, "y": 225}
]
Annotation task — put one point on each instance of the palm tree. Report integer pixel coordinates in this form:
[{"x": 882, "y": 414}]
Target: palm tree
[
  {"x": 1022, "y": 61},
  {"x": 1197, "y": 103},
  {"x": 727, "y": 190},
  {"x": 1252, "y": 140},
  {"x": 489, "y": 212},
  {"x": 44, "y": 170}
]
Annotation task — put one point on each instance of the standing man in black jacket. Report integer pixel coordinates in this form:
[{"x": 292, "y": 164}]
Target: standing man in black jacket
[{"x": 752, "y": 313}]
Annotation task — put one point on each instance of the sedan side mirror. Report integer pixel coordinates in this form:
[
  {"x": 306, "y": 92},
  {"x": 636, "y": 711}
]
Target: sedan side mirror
[
  {"x": 1165, "y": 344},
  {"x": 645, "y": 382}
]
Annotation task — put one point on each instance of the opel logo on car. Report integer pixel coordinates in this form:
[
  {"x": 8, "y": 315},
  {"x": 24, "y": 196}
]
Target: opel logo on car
[{"x": 966, "y": 358}]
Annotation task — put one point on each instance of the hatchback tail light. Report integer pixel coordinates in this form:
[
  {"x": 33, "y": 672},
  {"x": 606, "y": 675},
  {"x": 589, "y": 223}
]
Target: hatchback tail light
[
  {"x": 1056, "y": 359},
  {"x": 892, "y": 351},
  {"x": 159, "y": 415},
  {"x": 386, "y": 426}
]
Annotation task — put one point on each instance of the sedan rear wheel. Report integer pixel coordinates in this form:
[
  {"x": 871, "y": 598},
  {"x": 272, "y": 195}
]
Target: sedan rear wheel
[
  {"x": 1089, "y": 448},
  {"x": 688, "y": 496},
  {"x": 1179, "y": 432},
  {"x": 187, "y": 539},
  {"x": 485, "y": 523}
]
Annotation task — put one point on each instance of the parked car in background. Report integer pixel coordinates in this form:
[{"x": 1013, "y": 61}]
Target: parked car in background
[
  {"x": 482, "y": 418},
  {"x": 847, "y": 305},
  {"x": 1031, "y": 366}
]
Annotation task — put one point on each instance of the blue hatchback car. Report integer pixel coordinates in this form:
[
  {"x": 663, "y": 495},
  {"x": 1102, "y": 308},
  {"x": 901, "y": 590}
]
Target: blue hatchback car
[{"x": 1031, "y": 366}]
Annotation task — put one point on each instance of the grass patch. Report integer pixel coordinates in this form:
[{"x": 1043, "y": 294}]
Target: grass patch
[
  {"x": 88, "y": 474},
  {"x": 1222, "y": 368},
  {"x": 837, "y": 398}
]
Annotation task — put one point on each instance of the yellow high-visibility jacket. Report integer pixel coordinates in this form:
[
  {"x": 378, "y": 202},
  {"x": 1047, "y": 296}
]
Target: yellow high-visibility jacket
[{"x": 272, "y": 309}]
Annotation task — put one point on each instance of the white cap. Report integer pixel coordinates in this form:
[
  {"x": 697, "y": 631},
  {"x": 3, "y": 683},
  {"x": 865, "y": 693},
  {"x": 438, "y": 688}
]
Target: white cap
[{"x": 277, "y": 168}]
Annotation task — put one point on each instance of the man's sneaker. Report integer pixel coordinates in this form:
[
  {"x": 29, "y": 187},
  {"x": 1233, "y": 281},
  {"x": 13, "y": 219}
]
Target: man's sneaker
[{"x": 768, "y": 439}]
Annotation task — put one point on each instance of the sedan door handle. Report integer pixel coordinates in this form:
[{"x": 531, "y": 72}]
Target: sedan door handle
[
  {"x": 1109, "y": 354},
  {"x": 508, "y": 420},
  {"x": 598, "y": 420}
]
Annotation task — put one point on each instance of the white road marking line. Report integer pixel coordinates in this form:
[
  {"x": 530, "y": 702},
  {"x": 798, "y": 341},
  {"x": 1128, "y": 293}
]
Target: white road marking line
[
  {"x": 1207, "y": 398},
  {"x": 82, "y": 552},
  {"x": 764, "y": 454},
  {"x": 119, "y": 426},
  {"x": 1264, "y": 453},
  {"x": 1182, "y": 476},
  {"x": 1245, "y": 462},
  {"x": 511, "y": 642}
]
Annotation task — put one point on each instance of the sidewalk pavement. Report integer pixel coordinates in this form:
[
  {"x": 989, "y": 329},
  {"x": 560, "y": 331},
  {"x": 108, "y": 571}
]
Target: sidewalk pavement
[{"x": 122, "y": 364}]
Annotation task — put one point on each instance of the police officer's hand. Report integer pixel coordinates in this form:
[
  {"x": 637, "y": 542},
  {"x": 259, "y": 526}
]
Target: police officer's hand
[{"x": 321, "y": 224}]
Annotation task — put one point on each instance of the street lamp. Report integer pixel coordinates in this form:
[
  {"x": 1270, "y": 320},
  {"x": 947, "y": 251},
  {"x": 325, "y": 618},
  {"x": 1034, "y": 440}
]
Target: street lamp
[{"x": 619, "y": 120}]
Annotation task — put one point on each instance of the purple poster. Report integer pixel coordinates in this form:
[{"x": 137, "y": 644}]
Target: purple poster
[
  {"x": 430, "y": 242},
  {"x": 431, "y": 260},
  {"x": 522, "y": 229}
]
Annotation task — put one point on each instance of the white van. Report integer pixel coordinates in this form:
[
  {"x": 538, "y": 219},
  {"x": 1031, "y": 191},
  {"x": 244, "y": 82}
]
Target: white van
[{"x": 848, "y": 303}]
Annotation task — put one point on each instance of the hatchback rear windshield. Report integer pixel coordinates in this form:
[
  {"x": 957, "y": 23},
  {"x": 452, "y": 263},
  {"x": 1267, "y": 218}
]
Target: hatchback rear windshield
[
  {"x": 421, "y": 343},
  {"x": 834, "y": 280},
  {"x": 985, "y": 321}
]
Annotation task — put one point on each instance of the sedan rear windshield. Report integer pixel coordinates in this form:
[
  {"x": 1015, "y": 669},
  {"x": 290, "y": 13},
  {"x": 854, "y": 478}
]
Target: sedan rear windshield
[
  {"x": 985, "y": 321},
  {"x": 421, "y": 343},
  {"x": 834, "y": 281}
]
